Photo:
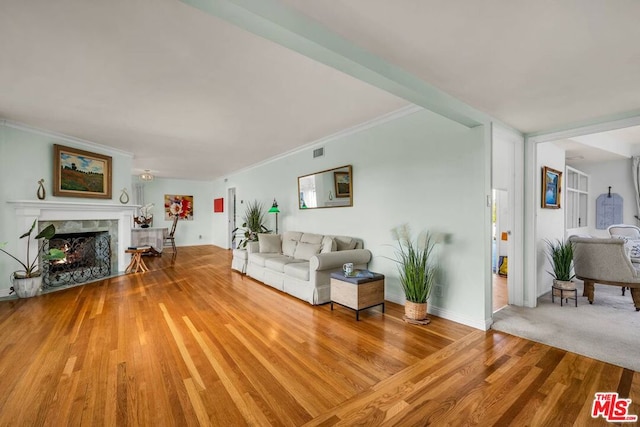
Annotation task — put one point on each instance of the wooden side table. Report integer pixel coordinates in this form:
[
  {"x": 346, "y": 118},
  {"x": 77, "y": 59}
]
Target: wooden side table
[
  {"x": 357, "y": 293},
  {"x": 137, "y": 263}
]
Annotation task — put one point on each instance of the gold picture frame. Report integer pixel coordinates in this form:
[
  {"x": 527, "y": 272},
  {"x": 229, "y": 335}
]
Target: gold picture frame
[
  {"x": 79, "y": 173},
  {"x": 342, "y": 182},
  {"x": 551, "y": 188}
]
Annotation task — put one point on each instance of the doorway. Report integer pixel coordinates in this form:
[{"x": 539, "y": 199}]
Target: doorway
[
  {"x": 507, "y": 177},
  {"x": 500, "y": 248},
  {"x": 231, "y": 219}
]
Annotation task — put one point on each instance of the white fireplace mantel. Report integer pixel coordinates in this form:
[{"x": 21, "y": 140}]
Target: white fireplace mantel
[{"x": 28, "y": 211}]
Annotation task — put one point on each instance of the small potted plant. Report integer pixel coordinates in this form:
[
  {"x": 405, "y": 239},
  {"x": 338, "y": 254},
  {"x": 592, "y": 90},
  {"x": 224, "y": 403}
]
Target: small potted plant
[
  {"x": 417, "y": 270},
  {"x": 253, "y": 223},
  {"x": 28, "y": 281},
  {"x": 560, "y": 254}
]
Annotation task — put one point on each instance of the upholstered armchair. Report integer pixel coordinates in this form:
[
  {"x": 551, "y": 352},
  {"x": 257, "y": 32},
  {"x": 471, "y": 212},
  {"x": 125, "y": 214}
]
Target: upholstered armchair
[
  {"x": 607, "y": 262},
  {"x": 630, "y": 232}
]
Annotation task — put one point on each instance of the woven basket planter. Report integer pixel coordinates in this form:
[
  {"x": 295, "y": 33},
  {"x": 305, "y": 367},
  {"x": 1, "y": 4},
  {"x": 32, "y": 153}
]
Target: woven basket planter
[
  {"x": 562, "y": 284},
  {"x": 415, "y": 311}
]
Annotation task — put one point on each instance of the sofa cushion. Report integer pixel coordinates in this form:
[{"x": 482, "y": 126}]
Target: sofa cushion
[
  {"x": 259, "y": 258},
  {"x": 306, "y": 250},
  {"x": 298, "y": 270},
  {"x": 290, "y": 240},
  {"x": 278, "y": 263},
  {"x": 345, "y": 243},
  {"x": 328, "y": 245}
]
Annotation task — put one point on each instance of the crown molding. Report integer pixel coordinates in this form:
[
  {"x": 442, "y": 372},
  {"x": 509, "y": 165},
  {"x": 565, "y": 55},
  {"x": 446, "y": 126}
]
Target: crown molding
[
  {"x": 60, "y": 136},
  {"x": 394, "y": 115}
]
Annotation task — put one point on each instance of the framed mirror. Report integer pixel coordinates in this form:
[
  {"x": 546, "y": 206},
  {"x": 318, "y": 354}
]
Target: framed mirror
[{"x": 331, "y": 188}]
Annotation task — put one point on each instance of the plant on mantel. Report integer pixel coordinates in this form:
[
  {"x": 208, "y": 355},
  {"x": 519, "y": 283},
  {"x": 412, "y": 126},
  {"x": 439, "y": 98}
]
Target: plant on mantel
[
  {"x": 254, "y": 219},
  {"x": 30, "y": 271}
]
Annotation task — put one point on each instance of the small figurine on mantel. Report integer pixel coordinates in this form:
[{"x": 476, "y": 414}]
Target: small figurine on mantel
[
  {"x": 41, "y": 191},
  {"x": 145, "y": 219}
]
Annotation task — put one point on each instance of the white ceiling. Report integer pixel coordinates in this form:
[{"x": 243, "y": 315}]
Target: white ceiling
[{"x": 193, "y": 96}]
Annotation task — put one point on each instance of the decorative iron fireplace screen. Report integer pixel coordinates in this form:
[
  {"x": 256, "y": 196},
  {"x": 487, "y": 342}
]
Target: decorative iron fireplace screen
[{"x": 88, "y": 257}]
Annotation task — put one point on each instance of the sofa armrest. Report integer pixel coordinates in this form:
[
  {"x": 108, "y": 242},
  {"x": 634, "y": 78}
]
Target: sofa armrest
[
  {"x": 335, "y": 260},
  {"x": 253, "y": 247}
]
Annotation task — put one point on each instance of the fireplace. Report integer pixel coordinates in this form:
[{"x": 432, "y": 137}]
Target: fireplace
[
  {"x": 87, "y": 258},
  {"x": 79, "y": 217}
]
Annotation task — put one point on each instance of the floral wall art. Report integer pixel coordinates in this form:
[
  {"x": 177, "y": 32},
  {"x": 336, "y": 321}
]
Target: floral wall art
[{"x": 179, "y": 205}]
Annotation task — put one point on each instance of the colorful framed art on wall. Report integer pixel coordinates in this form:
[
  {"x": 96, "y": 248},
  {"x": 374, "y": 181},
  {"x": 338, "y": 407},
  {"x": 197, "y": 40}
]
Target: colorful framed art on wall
[
  {"x": 179, "y": 205},
  {"x": 551, "y": 188},
  {"x": 79, "y": 173}
]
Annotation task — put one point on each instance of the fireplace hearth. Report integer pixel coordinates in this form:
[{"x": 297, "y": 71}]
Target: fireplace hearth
[{"x": 88, "y": 257}]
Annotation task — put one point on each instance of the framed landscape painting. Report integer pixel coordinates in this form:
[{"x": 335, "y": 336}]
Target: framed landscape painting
[
  {"x": 551, "y": 188},
  {"x": 343, "y": 184},
  {"x": 79, "y": 173}
]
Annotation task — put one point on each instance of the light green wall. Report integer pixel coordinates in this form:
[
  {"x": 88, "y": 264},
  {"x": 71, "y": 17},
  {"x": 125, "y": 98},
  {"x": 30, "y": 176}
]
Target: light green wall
[
  {"x": 188, "y": 233},
  {"x": 549, "y": 222},
  {"x": 26, "y": 156},
  {"x": 421, "y": 169}
]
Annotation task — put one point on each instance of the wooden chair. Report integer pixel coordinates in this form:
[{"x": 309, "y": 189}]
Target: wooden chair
[{"x": 170, "y": 240}]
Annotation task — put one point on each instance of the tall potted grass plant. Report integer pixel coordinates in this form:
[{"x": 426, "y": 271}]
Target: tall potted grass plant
[
  {"x": 416, "y": 268},
  {"x": 560, "y": 254}
]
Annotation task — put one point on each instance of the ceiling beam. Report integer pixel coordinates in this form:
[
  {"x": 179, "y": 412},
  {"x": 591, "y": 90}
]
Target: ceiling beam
[{"x": 278, "y": 23}]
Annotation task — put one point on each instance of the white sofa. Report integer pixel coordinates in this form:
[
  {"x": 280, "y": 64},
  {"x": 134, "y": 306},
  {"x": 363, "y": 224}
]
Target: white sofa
[{"x": 300, "y": 264}]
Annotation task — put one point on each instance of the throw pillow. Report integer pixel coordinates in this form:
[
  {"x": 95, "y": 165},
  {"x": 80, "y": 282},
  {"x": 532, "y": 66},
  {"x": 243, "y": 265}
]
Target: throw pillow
[
  {"x": 311, "y": 238},
  {"x": 328, "y": 245},
  {"x": 269, "y": 243},
  {"x": 289, "y": 247},
  {"x": 306, "y": 250},
  {"x": 345, "y": 243}
]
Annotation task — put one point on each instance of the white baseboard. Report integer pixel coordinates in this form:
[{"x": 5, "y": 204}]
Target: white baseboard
[
  {"x": 444, "y": 313},
  {"x": 5, "y": 292}
]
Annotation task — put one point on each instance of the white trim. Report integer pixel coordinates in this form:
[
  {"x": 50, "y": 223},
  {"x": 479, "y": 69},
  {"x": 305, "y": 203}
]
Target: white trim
[
  {"x": 442, "y": 312},
  {"x": 67, "y": 138},
  {"x": 394, "y": 115},
  {"x": 454, "y": 317},
  {"x": 46, "y": 204},
  {"x": 584, "y": 130}
]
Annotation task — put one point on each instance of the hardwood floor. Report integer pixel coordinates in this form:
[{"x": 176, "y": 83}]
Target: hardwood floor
[
  {"x": 500, "y": 292},
  {"x": 193, "y": 343}
]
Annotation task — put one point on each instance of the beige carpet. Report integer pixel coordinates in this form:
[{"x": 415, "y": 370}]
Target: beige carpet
[{"x": 607, "y": 330}]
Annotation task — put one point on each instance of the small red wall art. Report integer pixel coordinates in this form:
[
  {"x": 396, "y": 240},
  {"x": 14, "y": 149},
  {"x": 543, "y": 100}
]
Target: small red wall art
[{"x": 218, "y": 205}]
